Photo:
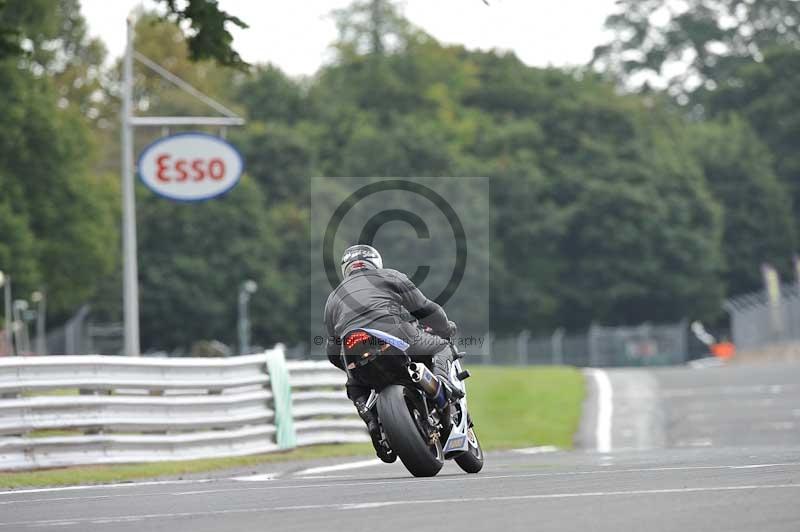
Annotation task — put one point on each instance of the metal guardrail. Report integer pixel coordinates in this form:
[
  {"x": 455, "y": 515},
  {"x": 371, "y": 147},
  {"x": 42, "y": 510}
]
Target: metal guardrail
[
  {"x": 107, "y": 409},
  {"x": 103, "y": 373}
]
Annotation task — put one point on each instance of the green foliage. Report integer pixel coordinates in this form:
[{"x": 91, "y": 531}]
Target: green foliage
[
  {"x": 18, "y": 257},
  {"x": 758, "y": 219},
  {"x": 366, "y": 27},
  {"x": 605, "y": 206},
  {"x": 57, "y": 45},
  {"x": 766, "y": 95},
  {"x": 743, "y": 61},
  {"x": 165, "y": 44},
  {"x": 600, "y": 209},
  {"x": 714, "y": 36},
  {"x": 269, "y": 94},
  {"x": 278, "y": 156},
  {"x": 9, "y": 34},
  {"x": 63, "y": 235},
  {"x": 192, "y": 259},
  {"x": 209, "y": 37},
  {"x": 588, "y": 180}
]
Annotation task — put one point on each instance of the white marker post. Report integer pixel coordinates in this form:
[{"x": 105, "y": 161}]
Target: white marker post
[
  {"x": 605, "y": 410},
  {"x": 130, "y": 279}
]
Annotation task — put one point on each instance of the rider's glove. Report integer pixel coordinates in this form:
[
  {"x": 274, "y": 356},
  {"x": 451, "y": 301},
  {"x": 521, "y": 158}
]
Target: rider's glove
[{"x": 452, "y": 329}]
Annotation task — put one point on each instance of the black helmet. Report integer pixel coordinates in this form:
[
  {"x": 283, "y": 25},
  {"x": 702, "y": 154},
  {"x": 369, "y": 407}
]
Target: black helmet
[{"x": 360, "y": 257}]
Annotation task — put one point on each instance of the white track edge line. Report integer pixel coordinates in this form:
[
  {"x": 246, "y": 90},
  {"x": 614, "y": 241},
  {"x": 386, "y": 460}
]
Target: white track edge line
[
  {"x": 339, "y": 467},
  {"x": 605, "y": 410}
]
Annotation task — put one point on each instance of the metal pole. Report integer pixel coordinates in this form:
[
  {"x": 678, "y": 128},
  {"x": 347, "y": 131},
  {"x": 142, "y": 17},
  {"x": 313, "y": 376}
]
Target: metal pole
[
  {"x": 41, "y": 300},
  {"x": 244, "y": 346},
  {"x": 557, "y": 346},
  {"x": 9, "y": 323},
  {"x": 129, "y": 259},
  {"x": 21, "y": 327},
  {"x": 594, "y": 354},
  {"x": 15, "y": 327},
  {"x": 246, "y": 289},
  {"x": 522, "y": 347}
]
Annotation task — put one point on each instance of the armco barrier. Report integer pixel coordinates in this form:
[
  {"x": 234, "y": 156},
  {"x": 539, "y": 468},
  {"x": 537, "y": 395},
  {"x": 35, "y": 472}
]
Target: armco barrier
[{"x": 149, "y": 410}]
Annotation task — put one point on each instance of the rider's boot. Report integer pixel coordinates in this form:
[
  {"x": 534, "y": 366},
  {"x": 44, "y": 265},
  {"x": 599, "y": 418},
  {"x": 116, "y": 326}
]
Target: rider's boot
[
  {"x": 441, "y": 362},
  {"x": 381, "y": 449}
]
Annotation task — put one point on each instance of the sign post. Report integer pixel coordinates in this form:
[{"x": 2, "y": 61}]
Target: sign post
[{"x": 130, "y": 279}]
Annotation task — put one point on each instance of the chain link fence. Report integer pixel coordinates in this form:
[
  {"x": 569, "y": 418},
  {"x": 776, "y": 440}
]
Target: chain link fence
[
  {"x": 758, "y": 321},
  {"x": 80, "y": 336},
  {"x": 599, "y": 346},
  {"x": 641, "y": 345}
]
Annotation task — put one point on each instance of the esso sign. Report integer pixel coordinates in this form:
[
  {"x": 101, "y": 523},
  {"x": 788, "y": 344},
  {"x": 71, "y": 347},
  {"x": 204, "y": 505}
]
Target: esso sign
[{"x": 190, "y": 166}]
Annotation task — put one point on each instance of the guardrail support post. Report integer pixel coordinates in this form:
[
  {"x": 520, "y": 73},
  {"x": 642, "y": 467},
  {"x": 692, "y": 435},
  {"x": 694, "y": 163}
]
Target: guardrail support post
[{"x": 285, "y": 435}]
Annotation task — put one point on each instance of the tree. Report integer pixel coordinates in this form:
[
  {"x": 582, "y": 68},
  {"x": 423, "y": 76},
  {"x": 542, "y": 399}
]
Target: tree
[
  {"x": 270, "y": 95},
  {"x": 165, "y": 44},
  {"x": 18, "y": 256},
  {"x": 601, "y": 212},
  {"x": 280, "y": 158},
  {"x": 58, "y": 220},
  {"x": 412, "y": 146},
  {"x": 376, "y": 69},
  {"x": 605, "y": 207},
  {"x": 209, "y": 38},
  {"x": 757, "y": 210},
  {"x": 9, "y": 34},
  {"x": 193, "y": 258},
  {"x": 56, "y": 45},
  {"x": 45, "y": 182},
  {"x": 370, "y": 28},
  {"x": 766, "y": 95},
  {"x": 705, "y": 41},
  {"x": 525, "y": 246}
]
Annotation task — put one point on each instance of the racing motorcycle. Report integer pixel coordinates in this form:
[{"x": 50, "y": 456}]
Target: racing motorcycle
[{"x": 419, "y": 424}]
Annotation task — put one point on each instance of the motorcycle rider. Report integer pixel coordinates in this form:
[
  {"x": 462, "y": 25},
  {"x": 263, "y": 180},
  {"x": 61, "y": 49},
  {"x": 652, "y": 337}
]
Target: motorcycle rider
[{"x": 380, "y": 298}]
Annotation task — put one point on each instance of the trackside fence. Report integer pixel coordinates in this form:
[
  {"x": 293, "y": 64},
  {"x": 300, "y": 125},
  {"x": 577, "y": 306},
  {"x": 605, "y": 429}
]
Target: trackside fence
[
  {"x": 646, "y": 344},
  {"x": 758, "y": 321},
  {"x": 641, "y": 345},
  {"x": 70, "y": 410}
]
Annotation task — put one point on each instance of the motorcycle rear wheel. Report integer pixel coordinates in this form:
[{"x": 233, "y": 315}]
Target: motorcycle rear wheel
[
  {"x": 403, "y": 421},
  {"x": 471, "y": 461}
]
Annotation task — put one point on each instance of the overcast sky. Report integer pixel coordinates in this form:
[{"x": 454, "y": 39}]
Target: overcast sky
[{"x": 295, "y": 34}]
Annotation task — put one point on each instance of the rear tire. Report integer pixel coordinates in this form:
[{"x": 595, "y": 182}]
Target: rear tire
[
  {"x": 471, "y": 461},
  {"x": 397, "y": 411}
]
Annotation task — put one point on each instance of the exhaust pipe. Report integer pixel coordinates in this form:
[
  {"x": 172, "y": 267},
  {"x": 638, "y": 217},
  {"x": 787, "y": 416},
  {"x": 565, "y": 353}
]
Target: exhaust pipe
[{"x": 428, "y": 382}]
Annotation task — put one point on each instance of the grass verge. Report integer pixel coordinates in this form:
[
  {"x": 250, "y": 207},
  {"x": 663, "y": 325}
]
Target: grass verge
[
  {"x": 525, "y": 406},
  {"x": 124, "y": 473},
  {"x": 511, "y": 407}
]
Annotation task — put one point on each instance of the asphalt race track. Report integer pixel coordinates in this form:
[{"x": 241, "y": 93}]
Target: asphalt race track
[{"x": 689, "y": 450}]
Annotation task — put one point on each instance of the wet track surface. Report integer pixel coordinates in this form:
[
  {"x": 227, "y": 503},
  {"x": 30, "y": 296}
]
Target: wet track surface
[{"x": 730, "y": 461}]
